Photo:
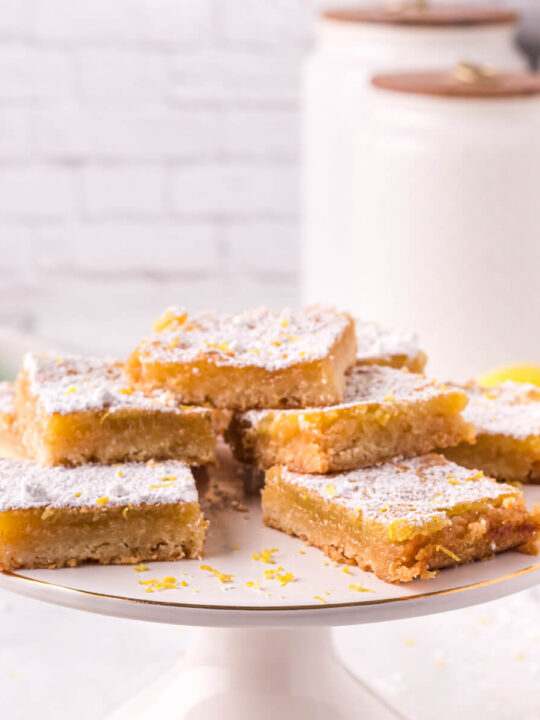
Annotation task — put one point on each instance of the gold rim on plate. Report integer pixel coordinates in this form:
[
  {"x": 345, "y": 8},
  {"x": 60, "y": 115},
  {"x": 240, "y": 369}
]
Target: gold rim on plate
[{"x": 274, "y": 608}]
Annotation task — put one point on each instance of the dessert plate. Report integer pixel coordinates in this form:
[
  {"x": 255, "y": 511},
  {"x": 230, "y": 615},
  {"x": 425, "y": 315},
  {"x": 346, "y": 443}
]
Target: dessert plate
[{"x": 256, "y": 576}]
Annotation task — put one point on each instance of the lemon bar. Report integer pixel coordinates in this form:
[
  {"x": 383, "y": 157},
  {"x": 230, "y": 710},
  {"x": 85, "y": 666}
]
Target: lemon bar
[
  {"x": 403, "y": 519},
  {"x": 378, "y": 345},
  {"x": 385, "y": 412},
  {"x": 73, "y": 410},
  {"x": 507, "y": 421},
  {"x": 63, "y": 516},
  {"x": 10, "y": 440},
  {"x": 261, "y": 358}
]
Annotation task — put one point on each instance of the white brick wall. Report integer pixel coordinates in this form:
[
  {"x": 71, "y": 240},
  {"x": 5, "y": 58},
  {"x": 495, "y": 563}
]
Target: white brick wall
[{"x": 148, "y": 155}]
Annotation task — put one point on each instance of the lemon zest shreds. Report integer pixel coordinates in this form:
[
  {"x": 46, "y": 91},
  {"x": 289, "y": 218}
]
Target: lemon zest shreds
[
  {"x": 104, "y": 417},
  {"x": 166, "y": 482},
  {"x": 174, "y": 342},
  {"x": 265, "y": 556},
  {"x": 235, "y": 548},
  {"x": 359, "y": 588},
  {"x": 102, "y": 501},
  {"x": 282, "y": 576},
  {"x": 72, "y": 389},
  {"x": 168, "y": 318},
  {"x": 476, "y": 476},
  {"x": 320, "y": 599},
  {"x": 330, "y": 489},
  {"x": 126, "y": 391},
  {"x": 77, "y": 495},
  {"x": 222, "y": 577},
  {"x": 223, "y": 347},
  {"x": 156, "y": 584},
  {"x": 390, "y": 396},
  {"x": 448, "y": 552},
  {"x": 285, "y": 578},
  {"x": 254, "y": 584},
  {"x": 140, "y": 568},
  {"x": 346, "y": 569}
]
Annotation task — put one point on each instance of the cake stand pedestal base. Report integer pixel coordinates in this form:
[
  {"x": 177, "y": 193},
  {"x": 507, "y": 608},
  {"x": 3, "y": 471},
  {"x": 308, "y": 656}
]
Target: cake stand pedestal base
[{"x": 265, "y": 674}]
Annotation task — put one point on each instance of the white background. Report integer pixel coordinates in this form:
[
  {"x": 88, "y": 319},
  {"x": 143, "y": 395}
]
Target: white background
[{"x": 149, "y": 154}]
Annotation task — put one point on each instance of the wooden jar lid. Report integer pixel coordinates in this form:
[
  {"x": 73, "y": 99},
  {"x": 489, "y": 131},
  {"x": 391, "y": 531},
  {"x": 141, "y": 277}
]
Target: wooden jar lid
[
  {"x": 465, "y": 81},
  {"x": 416, "y": 13}
]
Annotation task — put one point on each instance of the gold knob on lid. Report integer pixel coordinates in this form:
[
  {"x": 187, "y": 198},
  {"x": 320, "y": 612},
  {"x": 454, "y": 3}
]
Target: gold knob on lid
[{"x": 468, "y": 72}]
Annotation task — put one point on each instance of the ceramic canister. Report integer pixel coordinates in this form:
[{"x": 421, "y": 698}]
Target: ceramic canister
[
  {"x": 352, "y": 46},
  {"x": 447, "y": 215}
]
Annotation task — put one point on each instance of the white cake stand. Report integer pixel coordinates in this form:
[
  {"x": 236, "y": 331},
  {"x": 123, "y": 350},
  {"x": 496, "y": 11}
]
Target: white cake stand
[{"x": 265, "y": 653}]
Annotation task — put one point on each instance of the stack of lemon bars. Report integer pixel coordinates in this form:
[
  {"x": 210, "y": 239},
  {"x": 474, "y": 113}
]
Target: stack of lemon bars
[{"x": 361, "y": 454}]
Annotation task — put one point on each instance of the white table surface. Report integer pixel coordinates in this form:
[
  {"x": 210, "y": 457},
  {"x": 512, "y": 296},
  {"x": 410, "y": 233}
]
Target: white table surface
[{"x": 484, "y": 661}]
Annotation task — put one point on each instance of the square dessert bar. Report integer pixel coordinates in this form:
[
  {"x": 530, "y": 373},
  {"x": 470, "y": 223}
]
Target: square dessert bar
[
  {"x": 73, "y": 410},
  {"x": 507, "y": 422},
  {"x": 385, "y": 412},
  {"x": 404, "y": 519},
  {"x": 378, "y": 345},
  {"x": 62, "y": 516},
  {"x": 262, "y": 358}
]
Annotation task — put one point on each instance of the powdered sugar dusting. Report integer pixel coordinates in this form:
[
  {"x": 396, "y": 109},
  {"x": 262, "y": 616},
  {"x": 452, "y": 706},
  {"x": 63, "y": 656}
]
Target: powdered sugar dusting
[
  {"x": 69, "y": 383},
  {"x": 511, "y": 409},
  {"x": 415, "y": 491},
  {"x": 25, "y": 484},
  {"x": 7, "y": 394},
  {"x": 376, "y": 342},
  {"x": 259, "y": 338},
  {"x": 372, "y": 384},
  {"x": 381, "y": 384}
]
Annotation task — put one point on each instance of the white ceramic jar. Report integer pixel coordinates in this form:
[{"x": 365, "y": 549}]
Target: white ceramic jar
[
  {"x": 447, "y": 229},
  {"x": 352, "y": 46}
]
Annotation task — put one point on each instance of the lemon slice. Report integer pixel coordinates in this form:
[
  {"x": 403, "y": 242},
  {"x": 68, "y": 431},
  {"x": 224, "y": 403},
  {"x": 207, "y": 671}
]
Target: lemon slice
[{"x": 520, "y": 372}]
